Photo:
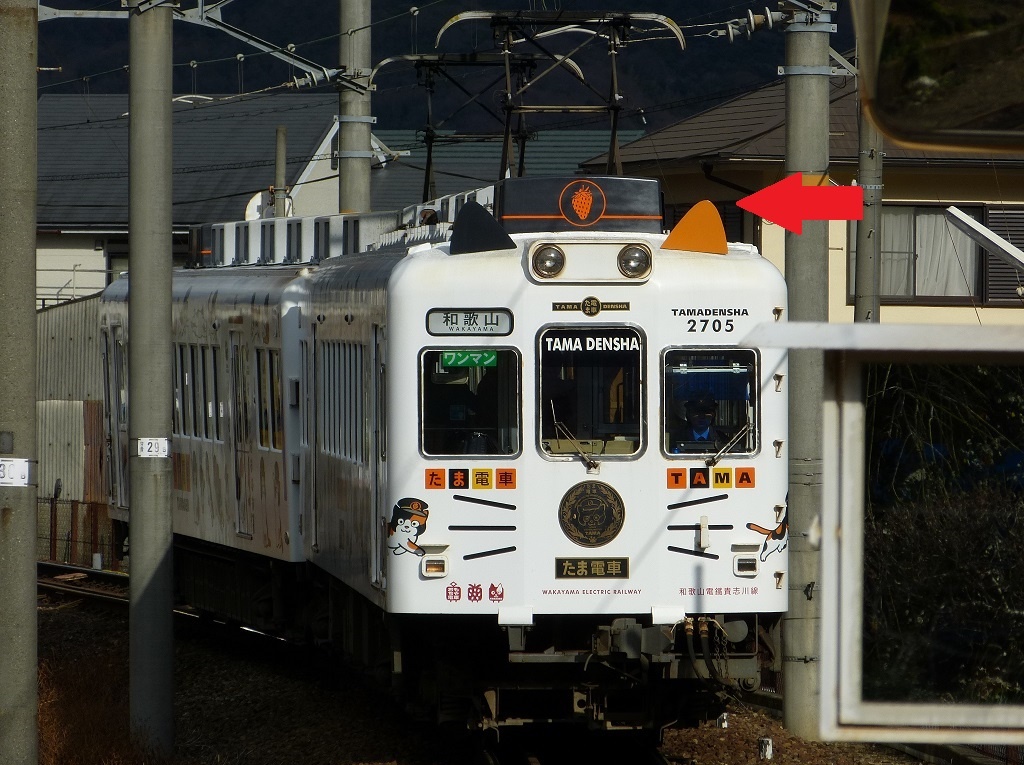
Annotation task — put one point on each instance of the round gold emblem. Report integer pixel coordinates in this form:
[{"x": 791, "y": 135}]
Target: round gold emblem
[{"x": 591, "y": 514}]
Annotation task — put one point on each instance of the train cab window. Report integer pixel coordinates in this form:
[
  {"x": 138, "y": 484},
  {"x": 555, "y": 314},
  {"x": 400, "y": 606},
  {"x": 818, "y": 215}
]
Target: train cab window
[
  {"x": 591, "y": 395},
  {"x": 470, "y": 401},
  {"x": 710, "y": 401}
]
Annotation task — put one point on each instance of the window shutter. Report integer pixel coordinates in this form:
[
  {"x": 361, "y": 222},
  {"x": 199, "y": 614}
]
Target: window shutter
[
  {"x": 732, "y": 220},
  {"x": 1002, "y": 279}
]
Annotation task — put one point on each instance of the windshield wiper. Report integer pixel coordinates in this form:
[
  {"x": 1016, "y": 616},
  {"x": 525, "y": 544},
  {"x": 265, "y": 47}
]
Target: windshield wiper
[
  {"x": 563, "y": 432},
  {"x": 712, "y": 461}
]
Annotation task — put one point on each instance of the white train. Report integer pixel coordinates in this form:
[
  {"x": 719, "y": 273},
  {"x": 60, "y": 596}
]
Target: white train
[{"x": 463, "y": 462}]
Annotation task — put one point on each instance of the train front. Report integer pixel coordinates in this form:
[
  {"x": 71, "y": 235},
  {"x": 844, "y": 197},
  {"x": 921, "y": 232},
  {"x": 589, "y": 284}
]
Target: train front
[{"x": 587, "y": 475}]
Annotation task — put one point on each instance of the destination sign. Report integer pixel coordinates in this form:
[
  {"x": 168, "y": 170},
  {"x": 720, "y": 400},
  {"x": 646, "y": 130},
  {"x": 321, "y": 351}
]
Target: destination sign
[
  {"x": 469, "y": 321},
  {"x": 590, "y": 343},
  {"x": 476, "y": 358},
  {"x": 593, "y": 341}
]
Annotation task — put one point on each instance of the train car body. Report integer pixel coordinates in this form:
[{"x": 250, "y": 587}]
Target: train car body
[{"x": 464, "y": 461}]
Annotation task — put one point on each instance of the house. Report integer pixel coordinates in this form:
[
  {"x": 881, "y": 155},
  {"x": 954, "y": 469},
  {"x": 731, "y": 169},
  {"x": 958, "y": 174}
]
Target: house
[
  {"x": 223, "y": 154},
  {"x": 931, "y": 273},
  {"x": 224, "y": 165}
]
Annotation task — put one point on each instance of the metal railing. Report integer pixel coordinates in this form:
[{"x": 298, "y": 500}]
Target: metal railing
[{"x": 78, "y": 534}]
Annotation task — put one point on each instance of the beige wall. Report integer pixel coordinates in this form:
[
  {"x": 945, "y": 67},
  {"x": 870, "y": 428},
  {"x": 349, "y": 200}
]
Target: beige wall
[
  {"x": 69, "y": 266},
  {"x": 316, "y": 192}
]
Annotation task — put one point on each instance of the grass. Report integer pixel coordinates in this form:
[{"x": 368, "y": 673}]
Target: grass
[{"x": 83, "y": 704}]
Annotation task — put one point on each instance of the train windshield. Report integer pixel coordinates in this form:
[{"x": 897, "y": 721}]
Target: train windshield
[
  {"x": 710, "y": 401},
  {"x": 470, "y": 401},
  {"x": 591, "y": 399}
]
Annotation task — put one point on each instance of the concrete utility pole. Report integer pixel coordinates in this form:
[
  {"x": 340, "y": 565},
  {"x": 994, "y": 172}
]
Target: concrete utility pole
[
  {"x": 150, "y": 643},
  {"x": 19, "y": 695},
  {"x": 281, "y": 173},
  {"x": 354, "y": 118},
  {"x": 868, "y": 271},
  {"x": 807, "y": 73}
]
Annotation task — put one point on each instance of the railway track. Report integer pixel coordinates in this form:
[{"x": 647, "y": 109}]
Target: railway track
[
  {"x": 490, "y": 757},
  {"x": 551, "y": 751},
  {"x": 96, "y": 585},
  {"x": 210, "y": 644}
]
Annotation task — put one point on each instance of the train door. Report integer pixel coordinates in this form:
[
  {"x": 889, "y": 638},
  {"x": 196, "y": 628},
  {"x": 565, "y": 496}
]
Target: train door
[
  {"x": 307, "y": 411},
  {"x": 240, "y": 431},
  {"x": 378, "y": 456},
  {"x": 314, "y": 391},
  {"x": 116, "y": 383}
]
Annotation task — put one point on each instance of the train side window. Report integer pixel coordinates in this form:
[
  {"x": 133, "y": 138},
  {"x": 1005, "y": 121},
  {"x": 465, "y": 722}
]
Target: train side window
[
  {"x": 268, "y": 383},
  {"x": 263, "y": 394},
  {"x": 185, "y": 383},
  {"x": 203, "y": 383},
  {"x": 177, "y": 427},
  {"x": 470, "y": 401},
  {"x": 121, "y": 372},
  {"x": 709, "y": 401},
  {"x": 591, "y": 395},
  {"x": 306, "y": 392},
  {"x": 276, "y": 414},
  {"x": 195, "y": 373},
  {"x": 213, "y": 401}
]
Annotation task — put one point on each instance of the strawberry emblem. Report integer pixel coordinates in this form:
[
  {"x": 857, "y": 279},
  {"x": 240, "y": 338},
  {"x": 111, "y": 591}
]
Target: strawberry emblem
[
  {"x": 582, "y": 203},
  {"x": 582, "y": 200}
]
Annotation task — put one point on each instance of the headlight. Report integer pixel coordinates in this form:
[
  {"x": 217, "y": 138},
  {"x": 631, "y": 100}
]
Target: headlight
[
  {"x": 634, "y": 261},
  {"x": 433, "y": 566},
  {"x": 548, "y": 261}
]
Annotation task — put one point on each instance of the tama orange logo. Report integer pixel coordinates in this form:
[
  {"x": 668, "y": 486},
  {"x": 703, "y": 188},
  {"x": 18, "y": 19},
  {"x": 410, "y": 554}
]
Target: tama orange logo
[{"x": 582, "y": 203}]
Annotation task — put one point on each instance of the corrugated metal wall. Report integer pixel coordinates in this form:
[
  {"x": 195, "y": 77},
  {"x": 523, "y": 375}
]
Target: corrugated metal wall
[
  {"x": 69, "y": 366},
  {"x": 71, "y": 444}
]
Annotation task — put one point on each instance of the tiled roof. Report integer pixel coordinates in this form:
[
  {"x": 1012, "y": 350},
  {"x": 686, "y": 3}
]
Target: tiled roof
[
  {"x": 224, "y": 151},
  {"x": 753, "y": 126}
]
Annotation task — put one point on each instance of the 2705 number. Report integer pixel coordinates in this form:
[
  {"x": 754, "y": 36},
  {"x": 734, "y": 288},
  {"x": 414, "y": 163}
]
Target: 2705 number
[{"x": 709, "y": 325}]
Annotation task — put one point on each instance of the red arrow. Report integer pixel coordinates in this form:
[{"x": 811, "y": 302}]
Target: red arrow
[{"x": 789, "y": 203}]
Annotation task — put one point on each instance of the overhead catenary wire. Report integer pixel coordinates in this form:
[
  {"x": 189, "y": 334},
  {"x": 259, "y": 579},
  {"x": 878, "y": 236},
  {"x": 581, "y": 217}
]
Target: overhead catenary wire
[
  {"x": 199, "y": 112},
  {"x": 193, "y": 64}
]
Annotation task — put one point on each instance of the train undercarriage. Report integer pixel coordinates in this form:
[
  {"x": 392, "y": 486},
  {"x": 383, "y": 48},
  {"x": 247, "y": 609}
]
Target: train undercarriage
[
  {"x": 575, "y": 671},
  {"x": 583, "y": 672}
]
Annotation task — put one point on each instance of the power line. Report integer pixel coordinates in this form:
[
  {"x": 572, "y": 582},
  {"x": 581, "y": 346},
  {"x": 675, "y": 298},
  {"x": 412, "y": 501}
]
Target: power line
[{"x": 194, "y": 64}]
